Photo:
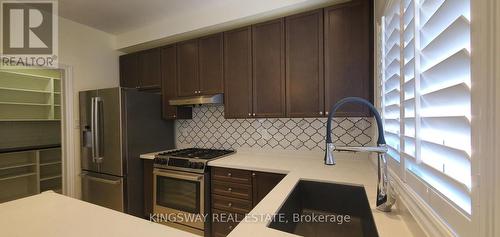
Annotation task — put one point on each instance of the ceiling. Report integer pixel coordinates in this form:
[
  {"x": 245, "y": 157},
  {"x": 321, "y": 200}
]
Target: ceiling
[{"x": 119, "y": 16}]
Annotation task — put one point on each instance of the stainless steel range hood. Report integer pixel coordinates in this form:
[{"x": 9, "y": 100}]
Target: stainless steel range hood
[{"x": 198, "y": 100}]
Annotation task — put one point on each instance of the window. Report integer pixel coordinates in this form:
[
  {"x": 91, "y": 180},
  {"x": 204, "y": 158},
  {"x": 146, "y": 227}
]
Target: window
[{"x": 425, "y": 101}]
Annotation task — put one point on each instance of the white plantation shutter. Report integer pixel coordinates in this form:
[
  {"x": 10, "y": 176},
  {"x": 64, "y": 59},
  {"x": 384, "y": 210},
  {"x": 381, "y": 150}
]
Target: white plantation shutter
[
  {"x": 391, "y": 79},
  {"x": 430, "y": 100}
]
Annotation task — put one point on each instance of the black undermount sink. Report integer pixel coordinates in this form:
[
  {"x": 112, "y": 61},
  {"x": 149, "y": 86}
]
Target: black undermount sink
[{"x": 310, "y": 201}]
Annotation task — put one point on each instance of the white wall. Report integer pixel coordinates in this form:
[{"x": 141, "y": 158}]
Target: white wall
[{"x": 94, "y": 62}]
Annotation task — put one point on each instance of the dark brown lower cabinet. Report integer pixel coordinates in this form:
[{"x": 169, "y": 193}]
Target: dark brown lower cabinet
[
  {"x": 234, "y": 193},
  {"x": 148, "y": 187},
  {"x": 262, "y": 184}
]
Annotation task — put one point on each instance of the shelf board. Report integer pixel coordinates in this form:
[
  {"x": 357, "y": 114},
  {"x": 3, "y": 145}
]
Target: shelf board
[
  {"x": 24, "y": 104},
  {"x": 30, "y": 75},
  {"x": 18, "y": 196},
  {"x": 50, "y": 163},
  {"x": 17, "y": 166},
  {"x": 25, "y": 90},
  {"x": 50, "y": 177},
  {"x": 29, "y": 120},
  {"x": 17, "y": 176}
]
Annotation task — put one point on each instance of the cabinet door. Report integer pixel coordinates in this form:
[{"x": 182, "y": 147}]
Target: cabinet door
[
  {"x": 238, "y": 73},
  {"x": 149, "y": 69},
  {"x": 169, "y": 85},
  {"x": 349, "y": 55},
  {"x": 262, "y": 184},
  {"x": 269, "y": 69},
  {"x": 304, "y": 65},
  {"x": 211, "y": 81},
  {"x": 129, "y": 74},
  {"x": 148, "y": 187},
  {"x": 187, "y": 68}
]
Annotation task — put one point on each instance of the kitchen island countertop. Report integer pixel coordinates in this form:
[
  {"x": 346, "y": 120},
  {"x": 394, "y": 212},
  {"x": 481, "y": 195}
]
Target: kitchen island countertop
[{"x": 55, "y": 215}]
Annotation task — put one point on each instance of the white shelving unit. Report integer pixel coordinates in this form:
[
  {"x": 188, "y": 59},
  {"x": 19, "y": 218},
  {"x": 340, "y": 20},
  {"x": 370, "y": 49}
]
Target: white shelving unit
[
  {"x": 29, "y": 97},
  {"x": 27, "y": 173}
]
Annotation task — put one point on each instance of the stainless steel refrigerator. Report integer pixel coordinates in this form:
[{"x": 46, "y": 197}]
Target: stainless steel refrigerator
[{"x": 117, "y": 125}]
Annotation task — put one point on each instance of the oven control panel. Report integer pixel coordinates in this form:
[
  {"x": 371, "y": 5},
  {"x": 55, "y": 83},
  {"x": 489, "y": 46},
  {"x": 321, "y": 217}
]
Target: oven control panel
[{"x": 180, "y": 164}]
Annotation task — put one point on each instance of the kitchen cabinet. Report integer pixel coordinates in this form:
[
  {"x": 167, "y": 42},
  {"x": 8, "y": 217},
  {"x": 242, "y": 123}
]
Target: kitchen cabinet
[
  {"x": 348, "y": 36},
  {"x": 262, "y": 184},
  {"x": 129, "y": 70},
  {"x": 148, "y": 187},
  {"x": 149, "y": 69},
  {"x": 268, "y": 74},
  {"x": 200, "y": 66},
  {"x": 169, "y": 85},
  {"x": 187, "y": 68},
  {"x": 210, "y": 60},
  {"x": 141, "y": 70},
  {"x": 238, "y": 73},
  {"x": 235, "y": 192},
  {"x": 304, "y": 64}
]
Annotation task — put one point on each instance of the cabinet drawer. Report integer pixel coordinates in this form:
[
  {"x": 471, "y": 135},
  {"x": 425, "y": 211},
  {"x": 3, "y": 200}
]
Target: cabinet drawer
[
  {"x": 224, "y": 222},
  {"x": 242, "y": 191},
  {"x": 232, "y": 175},
  {"x": 231, "y": 204}
]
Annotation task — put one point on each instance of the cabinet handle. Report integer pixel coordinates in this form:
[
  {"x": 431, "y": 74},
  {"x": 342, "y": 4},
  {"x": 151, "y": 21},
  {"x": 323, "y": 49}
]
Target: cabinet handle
[
  {"x": 229, "y": 189},
  {"x": 249, "y": 114},
  {"x": 253, "y": 174},
  {"x": 196, "y": 92},
  {"x": 229, "y": 204},
  {"x": 326, "y": 112},
  {"x": 253, "y": 114},
  {"x": 320, "y": 112},
  {"x": 229, "y": 174}
]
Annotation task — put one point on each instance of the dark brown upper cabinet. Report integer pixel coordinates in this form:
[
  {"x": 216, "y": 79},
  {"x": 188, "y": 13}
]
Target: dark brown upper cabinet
[
  {"x": 149, "y": 69},
  {"x": 169, "y": 85},
  {"x": 304, "y": 65},
  {"x": 129, "y": 70},
  {"x": 349, "y": 55},
  {"x": 238, "y": 73},
  {"x": 268, "y": 75},
  {"x": 141, "y": 70},
  {"x": 210, "y": 56},
  {"x": 200, "y": 66},
  {"x": 187, "y": 68}
]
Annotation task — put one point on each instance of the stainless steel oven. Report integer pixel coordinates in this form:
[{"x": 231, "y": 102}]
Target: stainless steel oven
[{"x": 180, "y": 198}]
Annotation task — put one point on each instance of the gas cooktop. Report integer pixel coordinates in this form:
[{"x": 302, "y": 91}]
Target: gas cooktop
[
  {"x": 190, "y": 159},
  {"x": 198, "y": 153}
]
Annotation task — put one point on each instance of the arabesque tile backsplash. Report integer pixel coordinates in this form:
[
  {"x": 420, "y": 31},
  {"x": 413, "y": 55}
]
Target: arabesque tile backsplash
[{"x": 209, "y": 129}]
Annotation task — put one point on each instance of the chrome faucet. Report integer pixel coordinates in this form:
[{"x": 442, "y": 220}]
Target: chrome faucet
[{"x": 385, "y": 192}]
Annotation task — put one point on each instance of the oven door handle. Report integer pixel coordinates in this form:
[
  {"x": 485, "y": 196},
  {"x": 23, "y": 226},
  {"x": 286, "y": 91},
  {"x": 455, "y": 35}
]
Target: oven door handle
[{"x": 177, "y": 175}]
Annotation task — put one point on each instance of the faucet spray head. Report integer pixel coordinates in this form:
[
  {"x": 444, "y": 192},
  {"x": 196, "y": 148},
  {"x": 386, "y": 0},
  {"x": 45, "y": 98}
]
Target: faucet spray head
[{"x": 329, "y": 159}]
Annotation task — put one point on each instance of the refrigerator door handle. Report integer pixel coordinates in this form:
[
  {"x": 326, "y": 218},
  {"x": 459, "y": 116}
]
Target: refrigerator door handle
[
  {"x": 97, "y": 124},
  {"x": 85, "y": 175},
  {"x": 92, "y": 129}
]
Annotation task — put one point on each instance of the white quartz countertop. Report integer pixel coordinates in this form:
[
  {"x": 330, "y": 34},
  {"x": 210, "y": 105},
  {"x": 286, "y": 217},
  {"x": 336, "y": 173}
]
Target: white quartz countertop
[
  {"x": 54, "y": 215},
  {"x": 351, "y": 168}
]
